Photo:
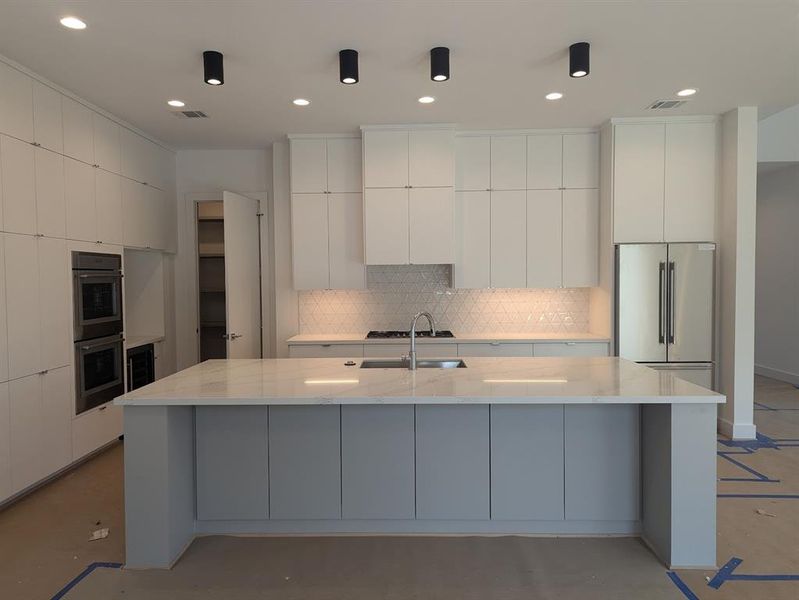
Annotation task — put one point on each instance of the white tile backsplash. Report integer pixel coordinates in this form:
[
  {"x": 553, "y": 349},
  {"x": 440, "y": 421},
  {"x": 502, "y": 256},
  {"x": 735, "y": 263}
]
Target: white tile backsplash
[{"x": 396, "y": 293}]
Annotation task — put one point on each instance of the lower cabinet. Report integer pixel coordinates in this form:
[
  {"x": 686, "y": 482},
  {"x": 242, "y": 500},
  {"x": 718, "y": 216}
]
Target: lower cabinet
[
  {"x": 452, "y": 462},
  {"x": 5, "y": 443},
  {"x": 398, "y": 350},
  {"x": 571, "y": 349},
  {"x": 377, "y": 462},
  {"x": 96, "y": 428},
  {"x": 527, "y": 462},
  {"x": 495, "y": 349},
  {"x": 305, "y": 462},
  {"x": 325, "y": 350}
]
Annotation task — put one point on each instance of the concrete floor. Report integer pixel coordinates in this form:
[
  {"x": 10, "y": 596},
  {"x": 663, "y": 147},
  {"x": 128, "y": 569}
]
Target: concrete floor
[{"x": 44, "y": 545}]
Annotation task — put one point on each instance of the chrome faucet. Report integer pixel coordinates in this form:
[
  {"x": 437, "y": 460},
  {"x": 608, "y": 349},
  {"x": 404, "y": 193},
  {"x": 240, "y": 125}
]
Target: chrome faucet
[{"x": 412, "y": 353}]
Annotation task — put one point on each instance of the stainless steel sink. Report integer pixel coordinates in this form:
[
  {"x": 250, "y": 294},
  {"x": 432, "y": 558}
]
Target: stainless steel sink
[{"x": 399, "y": 363}]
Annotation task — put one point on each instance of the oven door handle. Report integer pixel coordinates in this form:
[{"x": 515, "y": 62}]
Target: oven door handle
[
  {"x": 115, "y": 275},
  {"x": 87, "y": 347}
]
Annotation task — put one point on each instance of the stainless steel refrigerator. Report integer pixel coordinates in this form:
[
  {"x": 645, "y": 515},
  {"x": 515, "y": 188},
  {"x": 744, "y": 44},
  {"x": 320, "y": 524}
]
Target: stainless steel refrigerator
[{"x": 664, "y": 307}]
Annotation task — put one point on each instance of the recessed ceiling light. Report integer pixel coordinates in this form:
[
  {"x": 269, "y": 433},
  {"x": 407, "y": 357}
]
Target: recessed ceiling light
[
  {"x": 686, "y": 92},
  {"x": 176, "y": 103},
  {"x": 427, "y": 99},
  {"x": 301, "y": 102},
  {"x": 73, "y": 23},
  {"x": 554, "y": 96}
]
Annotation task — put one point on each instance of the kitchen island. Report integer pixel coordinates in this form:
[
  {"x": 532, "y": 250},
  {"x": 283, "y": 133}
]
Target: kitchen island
[{"x": 532, "y": 446}]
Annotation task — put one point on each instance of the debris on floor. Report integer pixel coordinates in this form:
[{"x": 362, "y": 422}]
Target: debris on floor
[
  {"x": 99, "y": 534},
  {"x": 764, "y": 513}
]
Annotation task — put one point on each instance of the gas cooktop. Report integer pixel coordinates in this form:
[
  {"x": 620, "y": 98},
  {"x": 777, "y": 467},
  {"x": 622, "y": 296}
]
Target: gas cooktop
[{"x": 444, "y": 333}]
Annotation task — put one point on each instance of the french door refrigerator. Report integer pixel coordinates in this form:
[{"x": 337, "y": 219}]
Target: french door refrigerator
[{"x": 664, "y": 307}]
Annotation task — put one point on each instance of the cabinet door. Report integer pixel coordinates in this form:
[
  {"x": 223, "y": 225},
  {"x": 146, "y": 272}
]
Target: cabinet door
[
  {"x": 5, "y": 444},
  {"x": 48, "y": 126},
  {"x": 79, "y": 191},
  {"x": 305, "y": 462},
  {"x": 22, "y": 302},
  {"x": 54, "y": 290},
  {"x": 580, "y": 238},
  {"x": 325, "y": 350},
  {"x": 308, "y": 166},
  {"x": 310, "y": 244},
  {"x": 386, "y": 227},
  {"x": 51, "y": 213},
  {"x": 56, "y": 419},
  {"x": 156, "y": 218},
  {"x": 431, "y": 215},
  {"x": 570, "y": 349},
  {"x": 452, "y": 462},
  {"x": 690, "y": 195},
  {"x": 638, "y": 182},
  {"x": 19, "y": 186},
  {"x": 430, "y": 158},
  {"x": 544, "y": 162},
  {"x": 472, "y": 163},
  {"x": 495, "y": 349},
  {"x": 107, "y": 149},
  {"x": 345, "y": 235},
  {"x": 581, "y": 160},
  {"x": 509, "y": 162},
  {"x": 385, "y": 159},
  {"x": 544, "y": 239},
  {"x": 78, "y": 130},
  {"x": 134, "y": 214},
  {"x": 96, "y": 428},
  {"x": 344, "y": 165},
  {"x": 108, "y": 199},
  {"x": 25, "y": 417},
  {"x": 508, "y": 239},
  {"x": 16, "y": 103},
  {"x": 133, "y": 152},
  {"x": 472, "y": 268},
  {"x": 3, "y": 312}
]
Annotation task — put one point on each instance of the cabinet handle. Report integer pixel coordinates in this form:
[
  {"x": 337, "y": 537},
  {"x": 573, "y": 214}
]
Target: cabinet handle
[
  {"x": 37, "y": 144},
  {"x": 495, "y": 343},
  {"x": 102, "y": 408},
  {"x": 326, "y": 345}
]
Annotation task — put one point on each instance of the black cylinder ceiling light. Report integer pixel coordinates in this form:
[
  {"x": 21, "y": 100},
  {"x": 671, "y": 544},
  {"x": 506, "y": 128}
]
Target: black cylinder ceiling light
[
  {"x": 439, "y": 64},
  {"x": 579, "y": 59},
  {"x": 348, "y": 66},
  {"x": 214, "y": 70}
]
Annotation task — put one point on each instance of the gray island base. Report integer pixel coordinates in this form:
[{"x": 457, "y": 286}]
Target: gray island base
[{"x": 526, "y": 446}]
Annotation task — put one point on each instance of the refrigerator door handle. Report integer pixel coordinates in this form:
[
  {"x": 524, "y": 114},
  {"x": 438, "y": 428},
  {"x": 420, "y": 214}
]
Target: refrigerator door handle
[
  {"x": 672, "y": 302},
  {"x": 661, "y": 302}
]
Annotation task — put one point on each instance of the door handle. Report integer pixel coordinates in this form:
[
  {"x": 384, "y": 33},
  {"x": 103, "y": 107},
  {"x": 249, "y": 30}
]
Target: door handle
[
  {"x": 672, "y": 301},
  {"x": 232, "y": 336},
  {"x": 661, "y": 291}
]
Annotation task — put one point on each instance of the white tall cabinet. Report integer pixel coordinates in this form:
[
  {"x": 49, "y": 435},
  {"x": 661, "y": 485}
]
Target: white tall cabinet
[{"x": 327, "y": 212}]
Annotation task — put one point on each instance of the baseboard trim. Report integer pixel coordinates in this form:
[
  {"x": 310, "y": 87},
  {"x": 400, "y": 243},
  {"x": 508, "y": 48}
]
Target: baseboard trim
[
  {"x": 786, "y": 376},
  {"x": 737, "y": 431}
]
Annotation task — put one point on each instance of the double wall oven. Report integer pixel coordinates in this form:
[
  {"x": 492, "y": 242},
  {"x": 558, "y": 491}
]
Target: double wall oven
[{"x": 99, "y": 352}]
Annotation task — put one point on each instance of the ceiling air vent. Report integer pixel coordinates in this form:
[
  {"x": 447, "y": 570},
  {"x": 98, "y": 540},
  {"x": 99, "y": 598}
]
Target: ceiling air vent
[
  {"x": 665, "y": 104},
  {"x": 190, "y": 114}
]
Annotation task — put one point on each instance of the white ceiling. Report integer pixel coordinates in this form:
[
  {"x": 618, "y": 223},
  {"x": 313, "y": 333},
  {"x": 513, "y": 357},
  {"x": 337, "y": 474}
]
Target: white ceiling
[{"x": 134, "y": 56}]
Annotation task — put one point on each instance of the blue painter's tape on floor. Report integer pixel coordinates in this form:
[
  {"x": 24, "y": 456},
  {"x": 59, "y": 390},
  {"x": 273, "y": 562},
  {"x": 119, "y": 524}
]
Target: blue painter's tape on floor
[
  {"x": 758, "y": 477},
  {"x": 725, "y": 574},
  {"x": 83, "y": 575},
  {"x": 682, "y": 586}
]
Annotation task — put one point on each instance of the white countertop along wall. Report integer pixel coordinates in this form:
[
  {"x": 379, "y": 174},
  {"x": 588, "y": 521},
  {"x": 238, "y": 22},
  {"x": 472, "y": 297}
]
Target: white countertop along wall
[{"x": 314, "y": 381}]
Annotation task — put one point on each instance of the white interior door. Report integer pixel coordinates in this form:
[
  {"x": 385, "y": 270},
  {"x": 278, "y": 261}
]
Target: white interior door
[{"x": 242, "y": 277}]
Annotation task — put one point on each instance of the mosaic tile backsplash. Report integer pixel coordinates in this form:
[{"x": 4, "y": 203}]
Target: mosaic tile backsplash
[{"x": 396, "y": 293}]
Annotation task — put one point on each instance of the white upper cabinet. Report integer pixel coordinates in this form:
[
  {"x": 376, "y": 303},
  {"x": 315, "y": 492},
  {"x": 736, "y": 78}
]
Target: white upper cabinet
[
  {"x": 581, "y": 160},
  {"x": 16, "y": 103},
  {"x": 472, "y": 268},
  {"x": 19, "y": 185},
  {"x": 48, "y": 126},
  {"x": 580, "y": 238},
  {"x": 3, "y": 329},
  {"x": 55, "y": 325},
  {"x": 108, "y": 202},
  {"x": 22, "y": 301},
  {"x": 638, "y": 172},
  {"x": 134, "y": 214},
  {"x": 345, "y": 245},
  {"x": 344, "y": 165},
  {"x": 144, "y": 161},
  {"x": 50, "y": 201},
  {"x": 430, "y": 217},
  {"x": 385, "y": 159},
  {"x": 544, "y": 239},
  {"x": 107, "y": 145},
  {"x": 386, "y": 227},
  {"x": 308, "y": 166},
  {"x": 310, "y": 243},
  {"x": 690, "y": 182},
  {"x": 509, "y": 162},
  {"x": 78, "y": 130},
  {"x": 79, "y": 193},
  {"x": 509, "y": 239},
  {"x": 473, "y": 163},
  {"x": 544, "y": 162},
  {"x": 431, "y": 156}
]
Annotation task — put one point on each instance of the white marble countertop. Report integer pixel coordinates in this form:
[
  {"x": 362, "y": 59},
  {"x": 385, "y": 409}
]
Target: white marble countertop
[
  {"x": 310, "y": 381},
  {"x": 359, "y": 337}
]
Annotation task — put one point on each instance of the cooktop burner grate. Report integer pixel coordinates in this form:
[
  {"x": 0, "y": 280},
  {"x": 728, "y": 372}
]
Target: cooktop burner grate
[{"x": 444, "y": 333}]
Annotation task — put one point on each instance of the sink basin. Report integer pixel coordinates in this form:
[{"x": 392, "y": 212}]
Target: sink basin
[{"x": 426, "y": 363}]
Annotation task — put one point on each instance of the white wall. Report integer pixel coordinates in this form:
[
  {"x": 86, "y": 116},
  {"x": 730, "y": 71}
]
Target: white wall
[
  {"x": 209, "y": 172},
  {"x": 777, "y": 297},
  {"x": 736, "y": 226},
  {"x": 778, "y": 137}
]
